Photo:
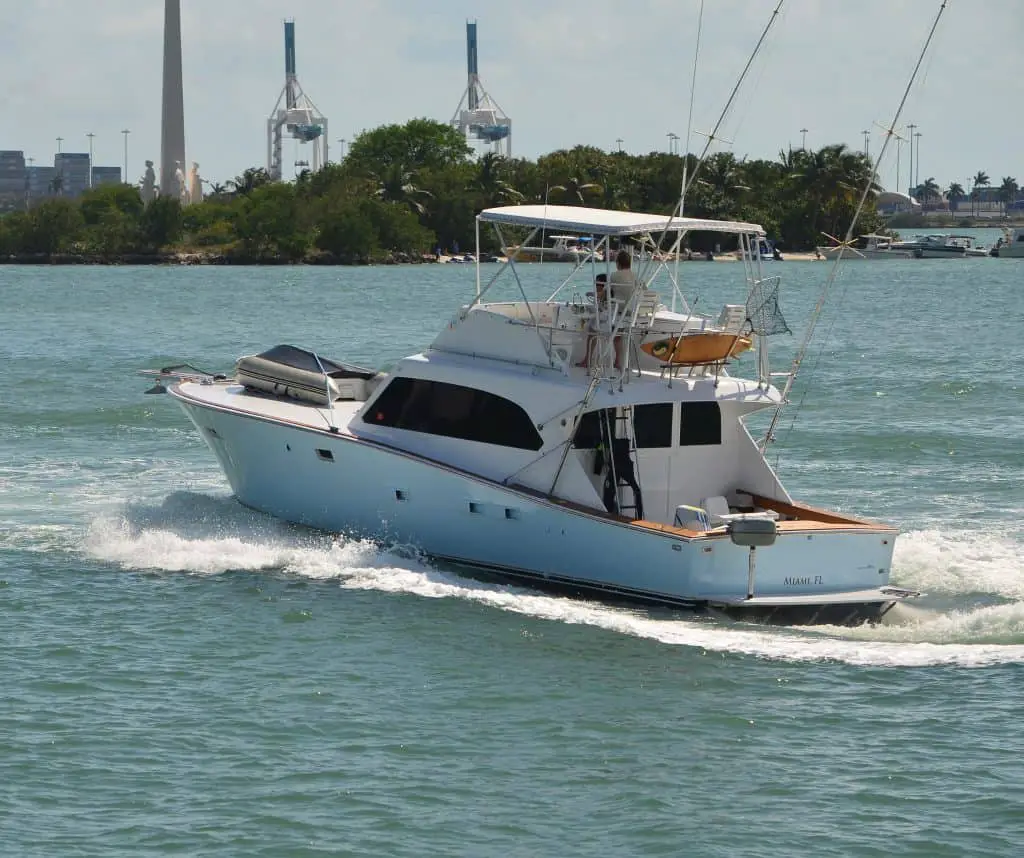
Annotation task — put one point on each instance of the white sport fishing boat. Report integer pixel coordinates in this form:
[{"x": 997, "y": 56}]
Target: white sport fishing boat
[
  {"x": 631, "y": 476},
  {"x": 944, "y": 246}
]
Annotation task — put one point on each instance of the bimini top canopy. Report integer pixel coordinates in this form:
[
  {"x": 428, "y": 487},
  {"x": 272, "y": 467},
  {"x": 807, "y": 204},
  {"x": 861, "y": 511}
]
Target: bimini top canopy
[{"x": 606, "y": 222}]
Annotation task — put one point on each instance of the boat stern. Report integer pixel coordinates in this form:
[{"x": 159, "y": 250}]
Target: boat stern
[{"x": 804, "y": 571}]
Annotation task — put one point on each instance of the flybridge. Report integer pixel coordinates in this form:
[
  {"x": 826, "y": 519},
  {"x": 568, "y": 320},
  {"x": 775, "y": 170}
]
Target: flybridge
[{"x": 606, "y": 222}]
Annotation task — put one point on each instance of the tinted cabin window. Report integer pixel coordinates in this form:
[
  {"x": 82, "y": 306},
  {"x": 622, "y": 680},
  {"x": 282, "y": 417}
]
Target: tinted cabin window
[
  {"x": 454, "y": 411},
  {"x": 652, "y": 425},
  {"x": 588, "y": 434},
  {"x": 700, "y": 423}
]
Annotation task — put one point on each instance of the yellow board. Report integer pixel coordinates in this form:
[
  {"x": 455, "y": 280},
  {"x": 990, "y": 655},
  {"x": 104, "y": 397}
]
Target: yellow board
[{"x": 697, "y": 348}]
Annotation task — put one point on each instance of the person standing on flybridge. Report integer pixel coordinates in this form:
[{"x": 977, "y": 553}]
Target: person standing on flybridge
[
  {"x": 623, "y": 281},
  {"x": 621, "y": 285}
]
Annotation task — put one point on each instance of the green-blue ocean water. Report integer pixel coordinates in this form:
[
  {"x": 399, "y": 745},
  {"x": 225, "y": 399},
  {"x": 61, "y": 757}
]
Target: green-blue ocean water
[{"x": 182, "y": 676}]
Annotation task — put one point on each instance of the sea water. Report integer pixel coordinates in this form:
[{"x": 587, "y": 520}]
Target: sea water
[{"x": 183, "y": 676}]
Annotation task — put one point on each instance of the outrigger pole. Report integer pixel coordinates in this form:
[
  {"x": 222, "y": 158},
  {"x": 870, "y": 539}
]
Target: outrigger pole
[
  {"x": 713, "y": 136},
  {"x": 769, "y": 435}
]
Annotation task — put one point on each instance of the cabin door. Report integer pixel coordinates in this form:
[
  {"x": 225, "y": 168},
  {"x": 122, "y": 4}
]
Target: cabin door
[{"x": 652, "y": 438}]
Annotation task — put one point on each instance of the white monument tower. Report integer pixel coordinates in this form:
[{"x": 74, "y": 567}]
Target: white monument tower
[{"x": 172, "y": 122}]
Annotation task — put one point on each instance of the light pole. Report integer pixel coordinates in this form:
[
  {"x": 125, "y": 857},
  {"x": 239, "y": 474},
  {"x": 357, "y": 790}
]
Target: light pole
[
  {"x": 90, "y": 135},
  {"x": 341, "y": 152},
  {"x": 917, "y": 176},
  {"x": 899, "y": 145},
  {"x": 673, "y": 143},
  {"x": 867, "y": 146},
  {"x": 125, "y": 132},
  {"x": 803, "y": 139},
  {"x": 618, "y": 143},
  {"x": 910, "y": 174},
  {"x": 59, "y": 141}
]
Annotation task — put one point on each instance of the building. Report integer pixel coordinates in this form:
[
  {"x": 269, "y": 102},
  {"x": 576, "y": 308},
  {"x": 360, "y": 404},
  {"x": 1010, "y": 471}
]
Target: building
[
  {"x": 106, "y": 176},
  {"x": 41, "y": 183},
  {"x": 12, "y": 179},
  {"x": 893, "y": 202},
  {"x": 73, "y": 171}
]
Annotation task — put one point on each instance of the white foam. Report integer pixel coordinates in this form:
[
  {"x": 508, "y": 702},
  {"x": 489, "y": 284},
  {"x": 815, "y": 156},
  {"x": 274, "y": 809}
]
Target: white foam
[
  {"x": 960, "y": 562},
  {"x": 198, "y": 534},
  {"x": 254, "y": 546}
]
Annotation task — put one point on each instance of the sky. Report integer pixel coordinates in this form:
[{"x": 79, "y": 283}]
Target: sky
[{"x": 566, "y": 72}]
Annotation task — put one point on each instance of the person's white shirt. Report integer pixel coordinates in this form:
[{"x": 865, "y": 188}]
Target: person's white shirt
[{"x": 622, "y": 283}]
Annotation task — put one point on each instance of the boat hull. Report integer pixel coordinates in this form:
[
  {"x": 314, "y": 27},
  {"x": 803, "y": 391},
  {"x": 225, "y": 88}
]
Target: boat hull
[
  {"x": 940, "y": 253},
  {"x": 338, "y": 482},
  {"x": 866, "y": 253}
]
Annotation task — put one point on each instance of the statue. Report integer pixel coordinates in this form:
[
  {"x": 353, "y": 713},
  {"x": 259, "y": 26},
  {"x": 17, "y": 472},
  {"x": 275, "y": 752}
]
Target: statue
[
  {"x": 180, "y": 183},
  {"x": 147, "y": 187},
  {"x": 195, "y": 185}
]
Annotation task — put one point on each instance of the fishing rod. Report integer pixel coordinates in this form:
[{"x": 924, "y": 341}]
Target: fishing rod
[
  {"x": 687, "y": 183},
  {"x": 830, "y": 280}
]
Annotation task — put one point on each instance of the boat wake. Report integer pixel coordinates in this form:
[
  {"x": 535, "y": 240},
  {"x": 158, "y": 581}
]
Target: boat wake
[{"x": 972, "y": 615}]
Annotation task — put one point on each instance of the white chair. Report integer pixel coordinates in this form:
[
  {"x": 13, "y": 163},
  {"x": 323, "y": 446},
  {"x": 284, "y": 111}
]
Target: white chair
[
  {"x": 645, "y": 305},
  {"x": 732, "y": 318},
  {"x": 692, "y": 518},
  {"x": 717, "y": 508}
]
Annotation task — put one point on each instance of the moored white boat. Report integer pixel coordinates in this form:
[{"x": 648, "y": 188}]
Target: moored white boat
[
  {"x": 945, "y": 246},
  {"x": 561, "y": 248},
  {"x": 630, "y": 476}
]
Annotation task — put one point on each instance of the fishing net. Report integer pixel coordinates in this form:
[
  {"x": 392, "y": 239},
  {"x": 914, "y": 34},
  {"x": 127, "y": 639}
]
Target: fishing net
[{"x": 763, "y": 311}]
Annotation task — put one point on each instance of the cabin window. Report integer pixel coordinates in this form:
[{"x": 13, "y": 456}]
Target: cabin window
[
  {"x": 588, "y": 433},
  {"x": 700, "y": 423},
  {"x": 454, "y": 411},
  {"x": 652, "y": 425}
]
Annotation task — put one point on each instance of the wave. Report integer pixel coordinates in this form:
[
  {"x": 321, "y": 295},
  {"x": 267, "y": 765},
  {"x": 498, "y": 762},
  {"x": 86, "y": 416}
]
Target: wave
[
  {"x": 961, "y": 562},
  {"x": 207, "y": 535}
]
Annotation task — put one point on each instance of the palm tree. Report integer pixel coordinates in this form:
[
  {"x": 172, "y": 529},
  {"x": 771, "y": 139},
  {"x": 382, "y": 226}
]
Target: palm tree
[
  {"x": 1008, "y": 191},
  {"x": 928, "y": 190},
  {"x": 955, "y": 193},
  {"x": 252, "y": 178},
  {"x": 576, "y": 189},
  {"x": 980, "y": 180},
  {"x": 723, "y": 178},
  {"x": 395, "y": 185},
  {"x": 491, "y": 184},
  {"x": 833, "y": 178}
]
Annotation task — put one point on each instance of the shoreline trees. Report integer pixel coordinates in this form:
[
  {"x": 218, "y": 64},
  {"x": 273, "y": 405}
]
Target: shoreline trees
[{"x": 412, "y": 188}]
